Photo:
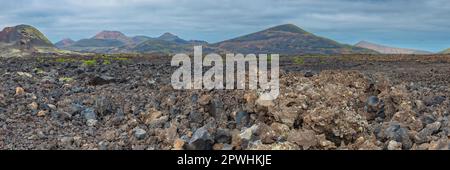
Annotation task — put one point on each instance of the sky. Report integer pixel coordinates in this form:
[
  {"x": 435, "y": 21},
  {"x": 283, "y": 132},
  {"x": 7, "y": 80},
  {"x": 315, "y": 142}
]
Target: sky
[{"x": 418, "y": 24}]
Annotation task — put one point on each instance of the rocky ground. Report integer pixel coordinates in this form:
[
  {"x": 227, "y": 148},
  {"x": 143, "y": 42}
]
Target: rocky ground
[{"x": 341, "y": 102}]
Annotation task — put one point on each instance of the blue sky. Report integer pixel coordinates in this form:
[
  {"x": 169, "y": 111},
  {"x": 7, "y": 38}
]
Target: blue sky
[{"x": 420, "y": 24}]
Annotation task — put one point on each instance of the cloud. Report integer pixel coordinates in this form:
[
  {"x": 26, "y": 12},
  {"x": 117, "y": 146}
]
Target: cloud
[{"x": 405, "y": 23}]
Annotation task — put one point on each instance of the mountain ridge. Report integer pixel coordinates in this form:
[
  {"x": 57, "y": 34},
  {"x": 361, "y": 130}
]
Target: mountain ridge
[
  {"x": 383, "y": 49},
  {"x": 286, "y": 39}
]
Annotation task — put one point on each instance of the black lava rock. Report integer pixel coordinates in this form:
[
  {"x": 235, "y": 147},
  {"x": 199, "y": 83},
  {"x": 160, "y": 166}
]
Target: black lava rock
[
  {"x": 437, "y": 100},
  {"x": 196, "y": 117},
  {"x": 75, "y": 109},
  {"x": 201, "y": 140},
  {"x": 375, "y": 106},
  {"x": 395, "y": 131},
  {"x": 216, "y": 108},
  {"x": 88, "y": 114},
  {"x": 309, "y": 74},
  {"x": 101, "y": 80},
  {"x": 242, "y": 118},
  {"x": 223, "y": 136}
]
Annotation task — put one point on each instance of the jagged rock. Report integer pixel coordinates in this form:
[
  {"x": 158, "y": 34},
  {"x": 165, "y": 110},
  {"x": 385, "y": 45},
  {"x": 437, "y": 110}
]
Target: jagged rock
[
  {"x": 280, "y": 130},
  {"x": 420, "y": 105},
  {"x": 67, "y": 140},
  {"x": 42, "y": 113},
  {"x": 218, "y": 146},
  {"x": 397, "y": 132},
  {"x": 109, "y": 135},
  {"x": 227, "y": 147},
  {"x": 408, "y": 118},
  {"x": 28, "y": 75},
  {"x": 393, "y": 145},
  {"x": 51, "y": 106},
  {"x": 290, "y": 110},
  {"x": 248, "y": 133},
  {"x": 425, "y": 134},
  {"x": 204, "y": 100},
  {"x": 20, "y": 91},
  {"x": 309, "y": 74},
  {"x": 216, "y": 109},
  {"x": 266, "y": 134},
  {"x": 101, "y": 80},
  {"x": 223, "y": 136},
  {"x": 201, "y": 140},
  {"x": 196, "y": 117},
  {"x": 103, "y": 106},
  {"x": 431, "y": 101},
  {"x": 303, "y": 138},
  {"x": 375, "y": 106},
  {"x": 178, "y": 144},
  {"x": 90, "y": 116},
  {"x": 152, "y": 116},
  {"x": 441, "y": 144},
  {"x": 75, "y": 109},
  {"x": 427, "y": 119},
  {"x": 139, "y": 133},
  {"x": 242, "y": 118},
  {"x": 33, "y": 106}
]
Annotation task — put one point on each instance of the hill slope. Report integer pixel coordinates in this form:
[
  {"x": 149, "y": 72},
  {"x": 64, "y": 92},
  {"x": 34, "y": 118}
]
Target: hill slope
[
  {"x": 286, "y": 39},
  {"x": 389, "y": 50},
  {"x": 447, "y": 51},
  {"x": 23, "y": 40}
]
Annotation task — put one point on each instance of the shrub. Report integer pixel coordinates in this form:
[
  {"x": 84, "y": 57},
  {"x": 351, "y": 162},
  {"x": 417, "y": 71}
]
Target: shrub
[
  {"x": 90, "y": 62},
  {"x": 106, "y": 62},
  {"x": 299, "y": 60}
]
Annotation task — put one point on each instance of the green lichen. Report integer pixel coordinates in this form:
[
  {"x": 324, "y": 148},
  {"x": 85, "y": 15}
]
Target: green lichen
[{"x": 66, "y": 79}]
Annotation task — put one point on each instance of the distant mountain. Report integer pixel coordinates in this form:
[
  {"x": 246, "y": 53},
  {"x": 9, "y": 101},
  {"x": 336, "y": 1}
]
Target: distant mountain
[
  {"x": 447, "y": 51},
  {"x": 113, "y": 35},
  {"x": 117, "y": 42},
  {"x": 167, "y": 43},
  {"x": 64, "y": 43},
  {"x": 160, "y": 46},
  {"x": 172, "y": 38},
  {"x": 198, "y": 42},
  {"x": 175, "y": 39},
  {"x": 98, "y": 43},
  {"x": 140, "y": 39},
  {"x": 95, "y": 45},
  {"x": 286, "y": 39},
  {"x": 23, "y": 40},
  {"x": 102, "y": 42},
  {"x": 389, "y": 50}
]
